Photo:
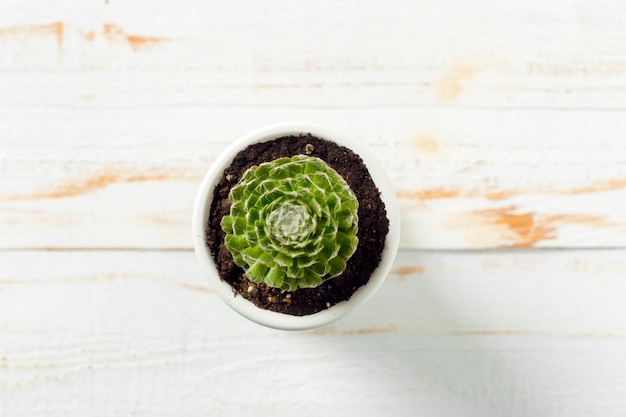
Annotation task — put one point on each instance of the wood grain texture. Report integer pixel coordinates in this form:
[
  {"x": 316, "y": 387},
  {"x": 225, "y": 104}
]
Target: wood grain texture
[
  {"x": 539, "y": 333},
  {"x": 127, "y": 178},
  {"x": 501, "y": 126},
  {"x": 337, "y": 54},
  {"x": 495, "y": 129}
]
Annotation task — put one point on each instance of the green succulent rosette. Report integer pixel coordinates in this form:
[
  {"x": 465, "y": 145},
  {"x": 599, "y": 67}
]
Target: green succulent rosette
[{"x": 292, "y": 223}]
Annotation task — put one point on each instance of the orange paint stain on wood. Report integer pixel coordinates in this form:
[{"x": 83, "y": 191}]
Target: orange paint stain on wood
[
  {"x": 509, "y": 228},
  {"x": 110, "y": 32},
  {"x": 56, "y": 29},
  {"x": 429, "y": 194},
  {"x": 442, "y": 193},
  {"x": 90, "y": 36},
  {"x": 198, "y": 288},
  {"x": 500, "y": 227},
  {"x": 456, "y": 80},
  {"x": 90, "y": 184},
  {"x": 405, "y": 271},
  {"x": 427, "y": 145},
  {"x": 438, "y": 193},
  {"x": 85, "y": 185},
  {"x": 471, "y": 167},
  {"x": 525, "y": 229},
  {"x": 581, "y": 219},
  {"x": 459, "y": 76},
  {"x": 114, "y": 33},
  {"x": 614, "y": 184}
]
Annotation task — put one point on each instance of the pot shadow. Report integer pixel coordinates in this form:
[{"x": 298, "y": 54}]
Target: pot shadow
[{"x": 408, "y": 353}]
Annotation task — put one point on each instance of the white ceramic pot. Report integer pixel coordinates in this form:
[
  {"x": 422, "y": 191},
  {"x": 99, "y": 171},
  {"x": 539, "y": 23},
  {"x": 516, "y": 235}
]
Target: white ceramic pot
[{"x": 247, "y": 308}]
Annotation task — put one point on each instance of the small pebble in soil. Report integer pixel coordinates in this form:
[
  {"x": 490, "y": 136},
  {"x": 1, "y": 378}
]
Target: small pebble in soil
[
  {"x": 309, "y": 148},
  {"x": 327, "y": 304}
]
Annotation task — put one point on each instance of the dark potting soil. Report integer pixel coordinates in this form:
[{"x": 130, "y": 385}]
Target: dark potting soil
[{"x": 373, "y": 226}]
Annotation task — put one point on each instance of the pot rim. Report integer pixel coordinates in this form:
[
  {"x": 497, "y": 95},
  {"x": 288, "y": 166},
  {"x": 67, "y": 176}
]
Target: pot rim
[{"x": 248, "y": 309}]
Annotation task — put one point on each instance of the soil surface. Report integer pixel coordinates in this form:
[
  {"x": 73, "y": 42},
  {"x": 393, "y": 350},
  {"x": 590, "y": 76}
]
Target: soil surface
[{"x": 373, "y": 226}]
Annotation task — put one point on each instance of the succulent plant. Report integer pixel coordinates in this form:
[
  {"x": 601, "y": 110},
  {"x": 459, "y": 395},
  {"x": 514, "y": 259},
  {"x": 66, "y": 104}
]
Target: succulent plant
[{"x": 292, "y": 223}]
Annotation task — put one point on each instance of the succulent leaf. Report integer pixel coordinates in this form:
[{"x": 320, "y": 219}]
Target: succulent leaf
[{"x": 292, "y": 223}]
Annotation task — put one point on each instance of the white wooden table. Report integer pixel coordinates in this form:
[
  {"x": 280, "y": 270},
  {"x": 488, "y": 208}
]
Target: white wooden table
[{"x": 501, "y": 124}]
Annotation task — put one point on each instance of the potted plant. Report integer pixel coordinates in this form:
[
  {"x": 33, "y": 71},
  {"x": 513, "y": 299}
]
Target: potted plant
[{"x": 295, "y": 226}]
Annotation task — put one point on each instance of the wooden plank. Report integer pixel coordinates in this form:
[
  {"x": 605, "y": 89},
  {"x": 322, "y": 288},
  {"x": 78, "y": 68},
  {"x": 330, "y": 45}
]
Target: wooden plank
[
  {"x": 127, "y": 177},
  {"x": 539, "y": 333},
  {"x": 108, "y": 119},
  {"x": 536, "y": 54}
]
